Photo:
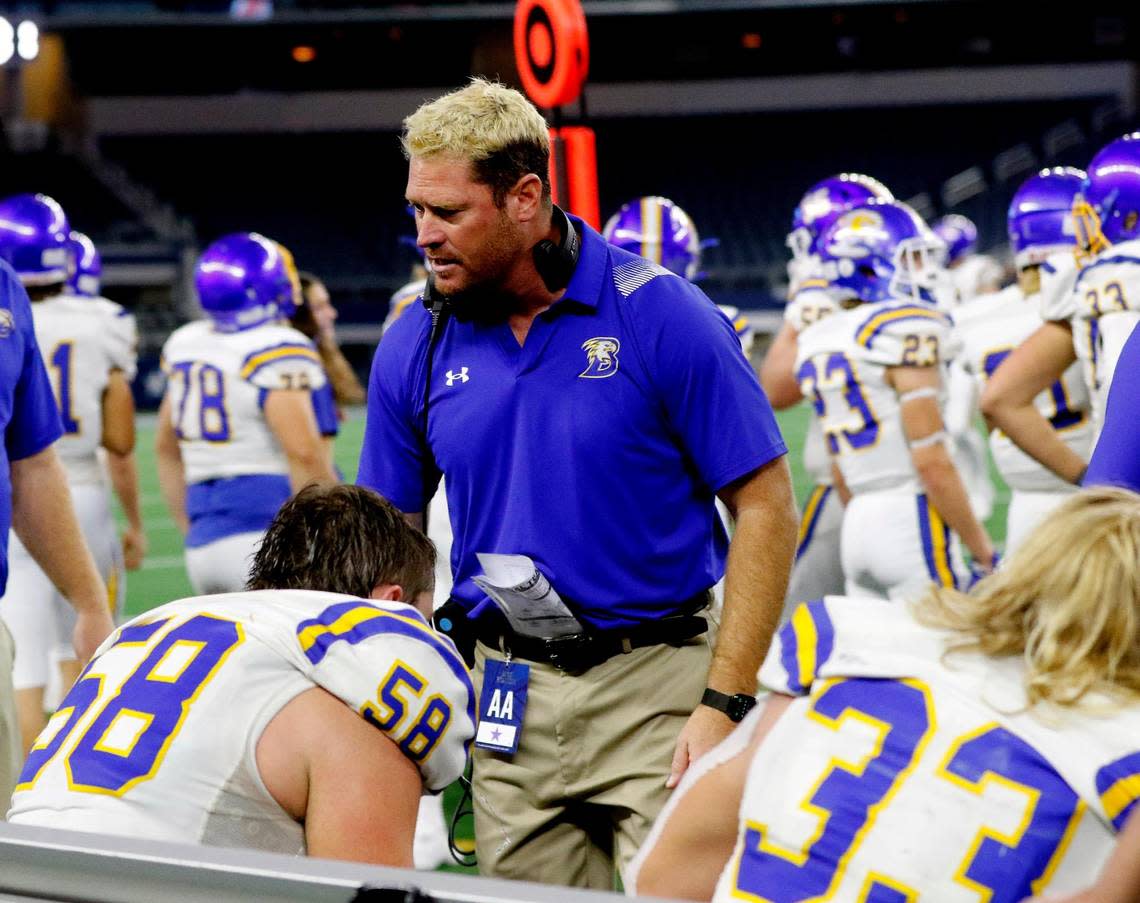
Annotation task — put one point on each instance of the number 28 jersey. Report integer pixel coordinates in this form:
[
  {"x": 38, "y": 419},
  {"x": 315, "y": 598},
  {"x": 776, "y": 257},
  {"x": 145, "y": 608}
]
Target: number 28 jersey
[
  {"x": 158, "y": 737},
  {"x": 841, "y": 364},
  {"x": 217, "y": 386},
  {"x": 902, "y": 773}
]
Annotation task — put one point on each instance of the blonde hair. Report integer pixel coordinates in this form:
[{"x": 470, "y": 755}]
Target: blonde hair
[
  {"x": 494, "y": 127},
  {"x": 1067, "y": 602}
]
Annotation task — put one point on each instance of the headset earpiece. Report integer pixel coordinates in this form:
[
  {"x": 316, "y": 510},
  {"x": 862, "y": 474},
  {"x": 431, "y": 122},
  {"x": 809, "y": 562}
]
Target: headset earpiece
[{"x": 555, "y": 262}]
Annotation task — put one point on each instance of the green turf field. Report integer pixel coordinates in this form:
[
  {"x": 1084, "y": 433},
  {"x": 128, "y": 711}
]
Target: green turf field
[{"x": 163, "y": 576}]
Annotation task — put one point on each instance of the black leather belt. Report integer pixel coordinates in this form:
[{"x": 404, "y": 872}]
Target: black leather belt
[{"x": 582, "y": 651}]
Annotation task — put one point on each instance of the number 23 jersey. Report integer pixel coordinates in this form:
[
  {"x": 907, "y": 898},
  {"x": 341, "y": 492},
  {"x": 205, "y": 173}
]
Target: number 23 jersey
[
  {"x": 904, "y": 773},
  {"x": 841, "y": 364},
  {"x": 158, "y": 737},
  {"x": 217, "y": 383}
]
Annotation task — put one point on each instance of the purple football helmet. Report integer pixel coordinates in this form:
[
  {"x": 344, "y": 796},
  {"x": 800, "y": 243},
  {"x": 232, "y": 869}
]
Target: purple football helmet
[
  {"x": 1107, "y": 210},
  {"x": 245, "y": 279},
  {"x": 33, "y": 238},
  {"x": 958, "y": 233},
  {"x": 86, "y": 265},
  {"x": 824, "y": 203},
  {"x": 1041, "y": 215},
  {"x": 658, "y": 230},
  {"x": 883, "y": 250}
]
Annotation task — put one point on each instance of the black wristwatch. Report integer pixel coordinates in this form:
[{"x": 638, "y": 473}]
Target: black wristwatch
[{"x": 735, "y": 707}]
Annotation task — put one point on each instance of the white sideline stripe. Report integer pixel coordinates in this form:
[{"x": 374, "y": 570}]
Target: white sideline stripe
[{"x": 162, "y": 563}]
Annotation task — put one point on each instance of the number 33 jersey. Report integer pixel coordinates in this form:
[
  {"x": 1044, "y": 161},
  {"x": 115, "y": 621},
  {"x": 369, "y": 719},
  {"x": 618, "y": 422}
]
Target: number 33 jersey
[
  {"x": 217, "y": 383},
  {"x": 904, "y": 773},
  {"x": 842, "y": 363},
  {"x": 158, "y": 737}
]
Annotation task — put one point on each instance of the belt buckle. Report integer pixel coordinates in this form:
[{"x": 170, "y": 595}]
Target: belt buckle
[{"x": 563, "y": 651}]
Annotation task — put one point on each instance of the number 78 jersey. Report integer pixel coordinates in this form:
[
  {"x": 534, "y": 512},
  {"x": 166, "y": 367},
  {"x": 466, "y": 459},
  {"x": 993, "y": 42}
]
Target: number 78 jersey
[
  {"x": 217, "y": 383},
  {"x": 158, "y": 737},
  {"x": 902, "y": 773},
  {"x": 842, "y": 363}
]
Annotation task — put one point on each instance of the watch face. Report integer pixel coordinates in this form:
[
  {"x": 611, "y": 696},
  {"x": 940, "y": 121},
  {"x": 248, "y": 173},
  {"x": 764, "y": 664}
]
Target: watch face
[{"x": 739, "y": 706}]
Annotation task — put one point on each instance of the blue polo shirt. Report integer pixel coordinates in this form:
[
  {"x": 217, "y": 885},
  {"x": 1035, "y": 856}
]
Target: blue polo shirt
[
  {"x": 1116, "y": 458},
  {"x": 595, "y": 448},
  {"x": 29, "y": 417}
]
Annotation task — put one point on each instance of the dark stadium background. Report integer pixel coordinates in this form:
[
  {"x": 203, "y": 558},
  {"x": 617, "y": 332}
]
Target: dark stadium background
[{"x": 161, "y": 125}]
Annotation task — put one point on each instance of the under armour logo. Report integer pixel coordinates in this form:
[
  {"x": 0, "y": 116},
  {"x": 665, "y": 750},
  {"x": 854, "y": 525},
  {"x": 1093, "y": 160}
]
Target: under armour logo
[{"x": 462, "y": 376}]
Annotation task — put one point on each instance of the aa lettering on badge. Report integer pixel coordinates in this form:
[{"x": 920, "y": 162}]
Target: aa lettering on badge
[{"x": 501, "y": 705}]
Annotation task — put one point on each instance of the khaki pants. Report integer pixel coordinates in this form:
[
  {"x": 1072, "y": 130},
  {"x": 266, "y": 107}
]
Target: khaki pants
[
  {"x": 11, "y": 749},
  {"x": 589, "y": 775}
]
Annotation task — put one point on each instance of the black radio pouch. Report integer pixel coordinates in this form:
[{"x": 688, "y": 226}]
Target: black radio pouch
[{"x": 451, "y": 620}]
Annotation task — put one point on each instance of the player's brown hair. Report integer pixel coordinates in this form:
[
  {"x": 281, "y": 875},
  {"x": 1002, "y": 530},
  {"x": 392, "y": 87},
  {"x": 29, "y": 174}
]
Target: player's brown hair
[
  {"x": 342, "y": 539},
  {"x": 1067, "y": 602}
]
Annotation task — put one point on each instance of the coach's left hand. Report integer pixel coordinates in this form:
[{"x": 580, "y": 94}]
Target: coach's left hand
[{"x": 705, "y": 728}]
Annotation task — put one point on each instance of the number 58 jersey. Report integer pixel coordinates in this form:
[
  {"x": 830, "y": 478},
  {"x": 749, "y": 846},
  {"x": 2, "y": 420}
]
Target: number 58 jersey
[
  {"x": 158, "y": 737},
  {"x": 841, "y": 364},
  {"x": 217, "y": 383},
  {"x": 903, "y": 773}
]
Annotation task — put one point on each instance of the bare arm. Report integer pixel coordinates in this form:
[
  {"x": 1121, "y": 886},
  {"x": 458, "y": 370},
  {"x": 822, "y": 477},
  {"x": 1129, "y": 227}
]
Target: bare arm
[
  {"x": 355, "y": 792},
  {"x": 686, "y": 855},
  {"x": 119, "y": 441},
  {"x": 1007, "y": 400},
  {"x": 777, "y": 372},
  {"x": 289, "y": 413},
  {"x": 44, "y": 519},
  {"x": 125, "y": 481},
  {"x": 171, "y": 476},
  {"x": 922, "y": 424},
  {"x": 756, "y": 581},
  {"x": 118, "y": 415}
]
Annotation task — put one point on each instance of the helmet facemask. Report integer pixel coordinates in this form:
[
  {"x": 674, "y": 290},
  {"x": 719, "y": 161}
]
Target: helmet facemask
[{"x": 920, "y": 273}]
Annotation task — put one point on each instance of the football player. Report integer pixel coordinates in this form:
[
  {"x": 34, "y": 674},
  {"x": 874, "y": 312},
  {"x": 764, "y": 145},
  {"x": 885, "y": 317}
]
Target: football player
[
  {"x": 873, "y": 373},
  {"x": 86, "y": 280},
  {"x": 988, "y": 328},
  {"x": 972, "y": 273},
  {"x": 655, "y": 228},
  {"x": 1090, "y": 311},
  {"x": 818, "y": 569},
  {"x": 90, "y": 355},
  {"x": 983, "y": 745},
  {"x": 306, "y": 715},
  {"x": 236, "y": 433}
]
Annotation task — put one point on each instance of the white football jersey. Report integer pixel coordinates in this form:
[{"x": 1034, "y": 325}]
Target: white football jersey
[
  {"x": 158, "y": 738},
  {"x": 1056, "y": 301},
  {"x": 903, "y": 772},
  {"x": 1107, "y": 300},
  {"x": 987, "y": 329},
  {"x": 809, "y": 304},
  {"x": 841, "y": 365},
  {"x": 402, "y": 297},
  {"x": 217, "y": 383},
  {"x": 82, "y": 340},
  {"x": 976, "y": 275}
]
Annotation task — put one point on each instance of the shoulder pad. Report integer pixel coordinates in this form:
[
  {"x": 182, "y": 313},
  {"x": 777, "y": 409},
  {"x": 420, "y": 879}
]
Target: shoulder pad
[
  {"x": 284, "y": 360},
  {"x": 384, "y": 661},
  {"x": 904, "y": 334}
]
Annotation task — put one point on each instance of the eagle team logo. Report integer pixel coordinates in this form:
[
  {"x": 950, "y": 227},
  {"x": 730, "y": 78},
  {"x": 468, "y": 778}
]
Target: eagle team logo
[{"x": 601, "y": 357}]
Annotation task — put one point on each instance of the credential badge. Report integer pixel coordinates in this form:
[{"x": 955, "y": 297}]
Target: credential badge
[{"x": 601, "y": 357}]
